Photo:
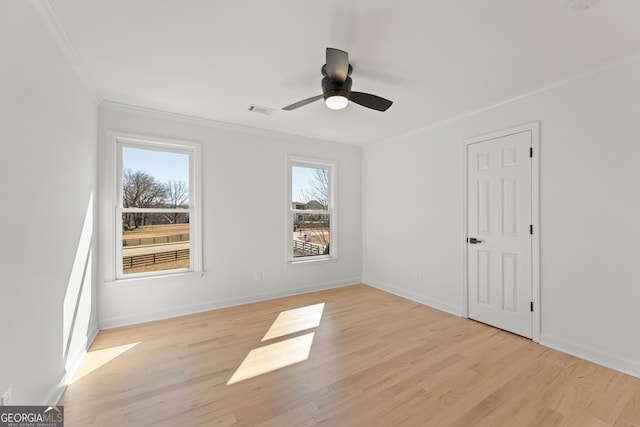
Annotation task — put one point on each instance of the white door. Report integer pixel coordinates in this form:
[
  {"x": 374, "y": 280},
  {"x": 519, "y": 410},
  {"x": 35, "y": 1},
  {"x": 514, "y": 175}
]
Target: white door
[{"x": 499, "y": 243}]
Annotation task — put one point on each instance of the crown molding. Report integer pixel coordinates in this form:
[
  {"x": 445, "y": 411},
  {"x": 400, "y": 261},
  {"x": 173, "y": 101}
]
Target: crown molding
[
  {"x": 524, "y": 95},
  {"x": 50, "y": 19},
  {"x": 107, "y": 105}
]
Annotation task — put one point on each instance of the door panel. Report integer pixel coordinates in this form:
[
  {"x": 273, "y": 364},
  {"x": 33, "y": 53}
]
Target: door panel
[
  {"x": 510, "y": 282},
  {"x": 484, "y": 206},
  {"x": 509, "y": 207},
  {"x": 499, "y": 215},
  {"x": 484, "y": 278}
]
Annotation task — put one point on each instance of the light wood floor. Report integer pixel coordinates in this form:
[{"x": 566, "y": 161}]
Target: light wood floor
[{"x": 375, "y": 360}]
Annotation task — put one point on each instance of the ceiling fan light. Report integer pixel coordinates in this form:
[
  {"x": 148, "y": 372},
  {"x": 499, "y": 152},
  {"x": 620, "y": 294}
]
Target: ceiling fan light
[{"x": 336, "y": 102}]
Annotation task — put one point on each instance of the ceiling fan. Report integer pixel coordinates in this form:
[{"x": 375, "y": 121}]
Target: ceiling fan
[{"x": 336, "y": 86}]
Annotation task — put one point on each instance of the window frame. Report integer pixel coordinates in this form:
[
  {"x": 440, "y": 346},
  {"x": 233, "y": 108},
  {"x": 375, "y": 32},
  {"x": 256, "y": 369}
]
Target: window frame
[
  {"x": 332, "y": 168},
  {"x": 118, "y": 142}
]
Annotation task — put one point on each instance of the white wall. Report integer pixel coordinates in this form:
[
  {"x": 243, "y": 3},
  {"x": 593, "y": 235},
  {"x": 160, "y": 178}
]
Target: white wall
[
  {"x": 590, "y": 210},
  {"x": 244, "y": 202},
  {"x": 47, "y": 181},
  {"x": 412, "y": 214}
]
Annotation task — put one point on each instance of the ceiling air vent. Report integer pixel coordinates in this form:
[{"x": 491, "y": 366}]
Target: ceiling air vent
[
  {"x": 580, "y": 5},
  {"x": 260, "y": 109}
]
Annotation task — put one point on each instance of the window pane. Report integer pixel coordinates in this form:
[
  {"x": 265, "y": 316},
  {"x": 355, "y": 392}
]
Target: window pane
[
  {"x": 155, "y": 242},
  {"x": 154, "y": 179},
  {"x": 309, "y": 188},
  {"x": 310, "y": 234}
]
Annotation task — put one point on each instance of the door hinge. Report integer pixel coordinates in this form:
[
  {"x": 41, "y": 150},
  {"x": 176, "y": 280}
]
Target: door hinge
[
  {"x": 531, "y": 229},
  {"x": 531, "y": 306},
  {"x": 530, "y": 151}
]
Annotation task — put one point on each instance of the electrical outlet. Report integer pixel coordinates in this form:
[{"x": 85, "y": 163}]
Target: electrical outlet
[
  {"x": 414, "y": 275},
  {"x": 5, "y": 400},
  {"x": 258, "y": 275}
]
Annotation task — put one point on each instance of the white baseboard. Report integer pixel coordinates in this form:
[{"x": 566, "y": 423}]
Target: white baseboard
[
  {"x": 430, "y": 302},
  {"x": 583, "y": 352},
  {"x": 592, "y": 355},
  {"x": 116, "y": 322},
  {"x": 72, "y": 364},
  {"x": 57, "y": 390}
]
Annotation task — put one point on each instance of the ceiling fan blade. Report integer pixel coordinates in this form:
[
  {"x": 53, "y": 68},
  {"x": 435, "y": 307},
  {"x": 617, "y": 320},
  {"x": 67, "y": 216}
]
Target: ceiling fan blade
[
  {"x": 302, "y": 103},
  {"x": 370, "y": 101},
  {"x": 337, "y": 64}
]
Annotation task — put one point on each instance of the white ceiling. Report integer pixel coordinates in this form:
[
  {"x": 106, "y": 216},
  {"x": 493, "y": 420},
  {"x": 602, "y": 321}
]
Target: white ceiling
[{"x": 435, "y": 59}]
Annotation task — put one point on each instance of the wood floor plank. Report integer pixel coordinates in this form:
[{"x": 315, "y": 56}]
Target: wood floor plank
[{"x": 375, "y": 360}]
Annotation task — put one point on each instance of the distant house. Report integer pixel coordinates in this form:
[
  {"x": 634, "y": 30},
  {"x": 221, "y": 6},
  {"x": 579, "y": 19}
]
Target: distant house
[
  {"x": 308, "y": 206},
  {"x": 317, "y": 220},
  {"x": 315, "y": 205}
]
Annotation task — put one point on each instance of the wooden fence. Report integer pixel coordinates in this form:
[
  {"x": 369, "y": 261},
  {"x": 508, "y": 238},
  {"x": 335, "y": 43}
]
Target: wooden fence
[
  {"x": 155, "y": 240},
  {"x": 306, "y": 248},
  {"x": 154, "y": 258}
]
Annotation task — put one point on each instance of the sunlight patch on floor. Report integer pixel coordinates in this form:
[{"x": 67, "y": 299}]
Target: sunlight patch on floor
[
  {"x": 295, "y": 320},
  {"x": 98, "y": 358},
  {"x": 274, "y": 356},
  {"x": 284, "y": 353}
]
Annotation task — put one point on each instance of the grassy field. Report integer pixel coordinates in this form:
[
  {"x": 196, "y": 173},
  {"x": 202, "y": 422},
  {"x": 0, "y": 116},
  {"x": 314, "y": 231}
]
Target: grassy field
[
  {"x": 147, "y": 234},
  {"x": 320, "y": 237},
  {"x": 159, "y": 267},
  {"x": 150, "y": 231}
]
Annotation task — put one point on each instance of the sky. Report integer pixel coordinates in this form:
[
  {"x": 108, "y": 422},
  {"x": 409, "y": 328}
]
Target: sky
[
  {"x": 162, "y": 165},
  {"x": 300, "y": 177},
  {"x": 166, "y": 166}
]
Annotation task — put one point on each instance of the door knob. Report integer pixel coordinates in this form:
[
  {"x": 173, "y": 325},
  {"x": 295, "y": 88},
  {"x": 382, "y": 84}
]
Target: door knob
[{"x": 474, "y": 241}]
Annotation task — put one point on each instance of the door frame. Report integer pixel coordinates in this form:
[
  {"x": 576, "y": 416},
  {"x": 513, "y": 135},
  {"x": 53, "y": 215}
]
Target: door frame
[{"x": 534, "y": 128}]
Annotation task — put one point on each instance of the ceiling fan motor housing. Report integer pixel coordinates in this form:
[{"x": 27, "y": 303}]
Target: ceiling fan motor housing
[{"x": 334, "y": 88}]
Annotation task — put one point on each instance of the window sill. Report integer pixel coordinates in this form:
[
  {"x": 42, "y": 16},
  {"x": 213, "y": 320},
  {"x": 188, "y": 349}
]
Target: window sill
[
  {"x": 170, "y": 277},
  {"x": 307, "y": 261}
]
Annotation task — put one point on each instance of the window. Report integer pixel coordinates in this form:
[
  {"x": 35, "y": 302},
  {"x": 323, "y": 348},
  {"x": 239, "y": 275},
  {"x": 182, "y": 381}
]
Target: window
[
  {"x": 311, "y": 210},
  {"x": 156, "y": 223}
]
